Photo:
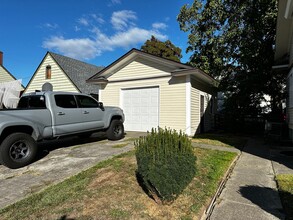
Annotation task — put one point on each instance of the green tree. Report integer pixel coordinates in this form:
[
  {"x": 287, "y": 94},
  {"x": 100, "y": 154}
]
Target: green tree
[
  {"x": 233, "y": 41},
  {"x": 162, "y": 49}
]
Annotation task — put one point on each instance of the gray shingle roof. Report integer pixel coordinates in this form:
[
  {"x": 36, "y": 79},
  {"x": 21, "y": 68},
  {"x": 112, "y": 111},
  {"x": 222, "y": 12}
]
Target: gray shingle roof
[{"x": 78, "y": 72}]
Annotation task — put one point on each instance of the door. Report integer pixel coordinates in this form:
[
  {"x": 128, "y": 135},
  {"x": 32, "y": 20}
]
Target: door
[
  {"x": 141, "y": 108},
  {"x": 91, "y": 113},
  {"x": 67, "y": 115}
]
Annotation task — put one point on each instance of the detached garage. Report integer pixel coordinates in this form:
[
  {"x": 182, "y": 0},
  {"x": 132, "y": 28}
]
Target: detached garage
[{"x": 153, "y": 91}]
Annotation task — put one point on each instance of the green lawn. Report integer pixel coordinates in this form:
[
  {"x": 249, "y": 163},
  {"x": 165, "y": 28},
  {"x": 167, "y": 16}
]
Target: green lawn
[
  {"x": 110, "y": 190},
  {"x": 221, "y": 140},
  {"x": 285, "y": 186}
]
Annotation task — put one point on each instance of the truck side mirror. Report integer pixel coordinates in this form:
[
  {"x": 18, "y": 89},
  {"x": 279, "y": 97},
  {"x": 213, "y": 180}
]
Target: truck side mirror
[{"x": 101, "y": 106}]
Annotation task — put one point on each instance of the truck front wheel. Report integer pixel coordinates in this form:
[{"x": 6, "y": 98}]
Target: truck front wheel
[
  {"x": 17, "y": 150},
  {"x": 115, "y": 130}
]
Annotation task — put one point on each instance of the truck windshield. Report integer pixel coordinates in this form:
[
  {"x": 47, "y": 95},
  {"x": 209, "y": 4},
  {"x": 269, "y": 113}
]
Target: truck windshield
[{"x": 36, "y": 101}]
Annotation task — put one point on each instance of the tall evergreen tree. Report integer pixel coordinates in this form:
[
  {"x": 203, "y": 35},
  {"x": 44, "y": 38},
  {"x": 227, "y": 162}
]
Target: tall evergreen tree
[
  {"x": 162, "y": 49},
  {"x": 233, "y": 41}
]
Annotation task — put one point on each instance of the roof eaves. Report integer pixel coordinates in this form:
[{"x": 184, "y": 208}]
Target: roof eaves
[
  {"x": 201, "y": 75},
  {"x": 131, "y": 55},
  {"x": 100, "y": 80},
  {"x": 36, "y": 71},
  {"x": 104, "y": 71},
  {"x": 178, "y": 65}
]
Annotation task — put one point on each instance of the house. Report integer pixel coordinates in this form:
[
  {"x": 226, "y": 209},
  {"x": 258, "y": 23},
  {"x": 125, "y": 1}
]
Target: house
[
  {"x": 284, "y": 53},
  {"x": 5, "y": 75},
  {"x": 10, "y": 87},
  {"x": 63, "y": 74},
  {"x": 153, "y": 91}
]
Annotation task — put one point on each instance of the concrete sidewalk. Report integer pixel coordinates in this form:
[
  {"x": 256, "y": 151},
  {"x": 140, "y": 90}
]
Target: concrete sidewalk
[{"x": 251, "y": 191}]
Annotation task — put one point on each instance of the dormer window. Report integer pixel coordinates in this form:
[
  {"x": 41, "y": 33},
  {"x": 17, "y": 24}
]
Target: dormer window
[{"x": 48, "y": 72}]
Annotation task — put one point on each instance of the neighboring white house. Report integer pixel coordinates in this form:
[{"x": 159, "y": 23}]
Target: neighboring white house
[
  {"x": 10, "y": 88},
  {"x": 284, "y": 52},
  {"x": 153, "y": 91},
  {"x": 5, "y": 75},
  {"x": 64, "y": 74}
]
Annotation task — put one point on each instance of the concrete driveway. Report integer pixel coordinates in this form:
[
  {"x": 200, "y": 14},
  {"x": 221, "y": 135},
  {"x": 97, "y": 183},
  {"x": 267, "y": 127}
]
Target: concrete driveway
[{"x": 58, "y": 160}]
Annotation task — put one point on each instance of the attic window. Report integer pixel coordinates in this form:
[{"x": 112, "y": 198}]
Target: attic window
[{"x": 48, "y": 72}]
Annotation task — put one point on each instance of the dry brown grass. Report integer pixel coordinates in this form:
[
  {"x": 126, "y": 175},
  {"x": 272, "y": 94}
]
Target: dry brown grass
[{"x": 113, "y": 192}]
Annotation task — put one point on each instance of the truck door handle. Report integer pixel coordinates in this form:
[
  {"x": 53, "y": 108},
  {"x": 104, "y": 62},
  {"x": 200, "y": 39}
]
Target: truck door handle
[
  {"x": 61, "y": 113},
  {"x": 85, "y": 112}
]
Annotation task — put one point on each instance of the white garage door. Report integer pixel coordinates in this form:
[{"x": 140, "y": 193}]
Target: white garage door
[{"x": 141, "y": 108}]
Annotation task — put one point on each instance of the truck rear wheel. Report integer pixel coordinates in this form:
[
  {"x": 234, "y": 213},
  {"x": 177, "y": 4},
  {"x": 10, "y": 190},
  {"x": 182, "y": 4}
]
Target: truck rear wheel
[
  {"x": 115, "y": 130},
  {"x": 17, "y": 150}
]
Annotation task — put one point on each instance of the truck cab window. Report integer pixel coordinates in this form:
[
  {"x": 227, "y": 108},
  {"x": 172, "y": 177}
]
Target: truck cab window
[
  {"x": 65, "y": 101},
  {"x": 37, "y": 101},
  {"x": 87, "y": 102}
]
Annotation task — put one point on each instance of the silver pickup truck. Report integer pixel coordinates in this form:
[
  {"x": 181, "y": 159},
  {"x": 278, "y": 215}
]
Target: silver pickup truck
[{"x": 47, "y": 115}]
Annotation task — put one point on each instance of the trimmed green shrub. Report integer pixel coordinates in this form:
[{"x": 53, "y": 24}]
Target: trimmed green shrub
[{"x": 166, "y": 163}]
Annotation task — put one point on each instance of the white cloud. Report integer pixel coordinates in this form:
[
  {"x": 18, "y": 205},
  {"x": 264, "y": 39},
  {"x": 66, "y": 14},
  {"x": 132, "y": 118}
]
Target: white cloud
[
  {"x": 50, "y": 26},
  {"x": 76, "y": 28},
  {"x": 132, "y": 37},
  {"x": 121, "y": 20},
  {"x": 98, "y": 18},
  {"x": 75, "y": 48},
  {"x": 88, "y": 21},
  {"x": 83, "y": 21},
  {"x": 116, "y": 2},
  {"x": 126, "y": 35},
  {"x": 162, "y": 26}
]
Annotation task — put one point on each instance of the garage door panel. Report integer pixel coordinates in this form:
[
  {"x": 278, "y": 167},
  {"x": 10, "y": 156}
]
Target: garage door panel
[
  {"x": 153, "y": 109},
  {"x": 144, "y": 119},
  {"x": 141, "y": 108}
]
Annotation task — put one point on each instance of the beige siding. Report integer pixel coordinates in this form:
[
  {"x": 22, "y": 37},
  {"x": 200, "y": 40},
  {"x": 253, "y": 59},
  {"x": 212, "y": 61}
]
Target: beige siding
[
  {"x": 137, "y": 70},
  {"x": 5, "y": 76},
  {"x": 174, "y": 100},
  {"x": 59, "y": 79},
  {"x": 197, "y": 90},
  {"x": 172, "y": 105},
  {"x": 195, "y": 108}
]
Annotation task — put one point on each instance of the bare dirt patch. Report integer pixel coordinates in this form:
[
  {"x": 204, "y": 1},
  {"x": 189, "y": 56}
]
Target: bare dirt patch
[{"x": 103, "y": 175}]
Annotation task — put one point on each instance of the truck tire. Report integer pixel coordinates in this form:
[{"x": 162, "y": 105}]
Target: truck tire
[
  {"x": 115, "y": 130},
  {"x": 17, "y": 150}
]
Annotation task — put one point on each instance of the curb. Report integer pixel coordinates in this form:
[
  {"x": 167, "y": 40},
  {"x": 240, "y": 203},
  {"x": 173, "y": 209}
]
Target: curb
[{"x": 207, "y": 213}]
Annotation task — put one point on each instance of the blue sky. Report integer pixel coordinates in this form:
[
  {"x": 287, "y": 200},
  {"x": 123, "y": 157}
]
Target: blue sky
[{"x": 94, "y": 31}]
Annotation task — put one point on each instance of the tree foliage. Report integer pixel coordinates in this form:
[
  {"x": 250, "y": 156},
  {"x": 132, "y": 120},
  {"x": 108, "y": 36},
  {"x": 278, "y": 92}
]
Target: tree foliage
[
  {"x": 162, "y": 49},
  {"x": 233, "y": 41}
]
